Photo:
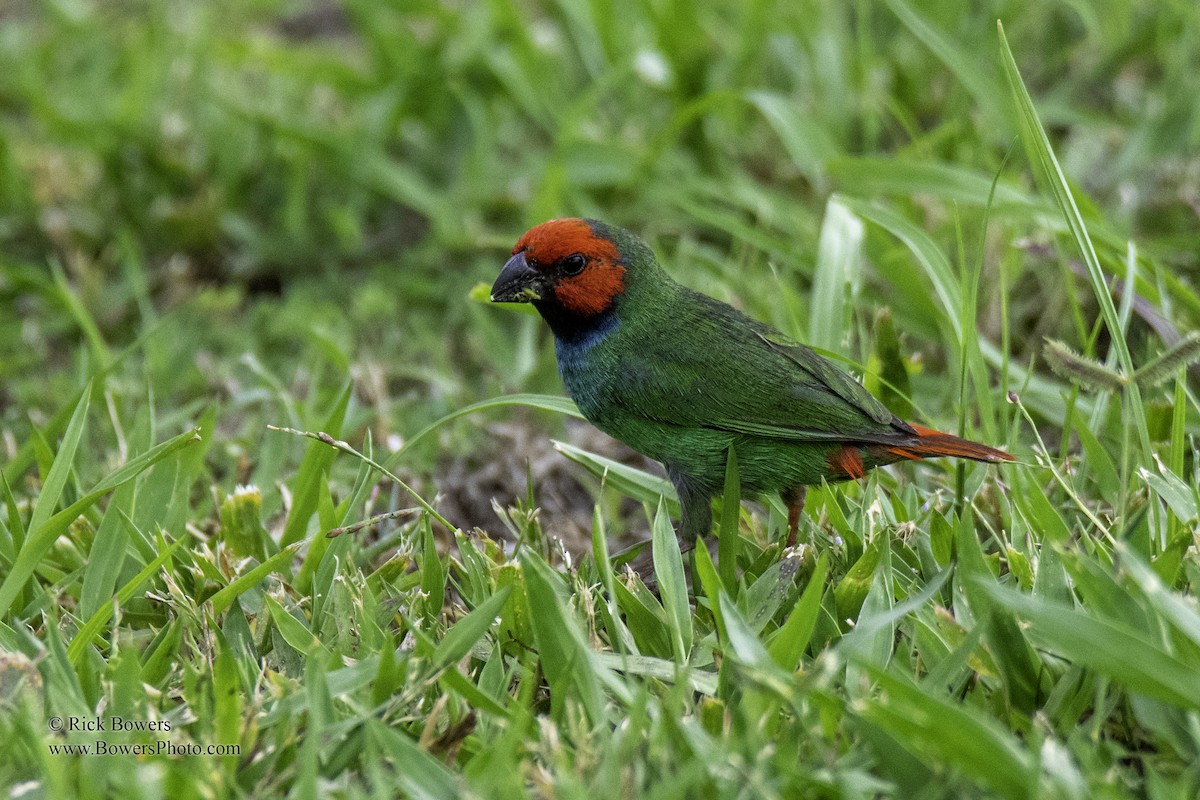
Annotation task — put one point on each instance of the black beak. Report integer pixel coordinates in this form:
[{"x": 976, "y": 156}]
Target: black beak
[{"x": 518, "y": 282}]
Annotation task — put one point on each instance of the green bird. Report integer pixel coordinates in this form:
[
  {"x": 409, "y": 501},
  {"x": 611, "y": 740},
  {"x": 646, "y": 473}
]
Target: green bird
[{"x": 682, "y": 377}]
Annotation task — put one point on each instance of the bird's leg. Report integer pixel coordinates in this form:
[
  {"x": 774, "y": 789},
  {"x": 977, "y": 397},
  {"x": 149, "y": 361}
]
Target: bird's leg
[
  {"x": 695, "y": 523},
  {"x": 695, "y": 503},
  {"x": 794, "y": 498}
]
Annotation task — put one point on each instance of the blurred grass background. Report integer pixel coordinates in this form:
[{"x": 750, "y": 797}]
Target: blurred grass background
[
  {"x": 321, "y": 185},
  {"x": 224, "y": 213}
]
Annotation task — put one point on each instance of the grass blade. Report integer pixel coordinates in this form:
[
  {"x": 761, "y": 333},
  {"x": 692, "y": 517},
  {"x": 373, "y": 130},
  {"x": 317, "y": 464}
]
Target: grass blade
[
  {"x": 788, "y": 645},
  {"x": 629, "y": 481},
  {"x": 1043, "y": 155},
  {"x": 41, "y": 539},
  {"x": 420, "y": 775},
  {"x": 672, "y": 587},
  {"x": 56, "y": 479},
  {"x": 459, "y": 640},
  {"x": 565, "y": 656},
  {"x": 932, "y": 726},
  {"x": 1122, "y": 653},
  {"x": 835, "y": 282},
  {"x": 90, "y": 629},
  {"x": 222, "y": 599}
]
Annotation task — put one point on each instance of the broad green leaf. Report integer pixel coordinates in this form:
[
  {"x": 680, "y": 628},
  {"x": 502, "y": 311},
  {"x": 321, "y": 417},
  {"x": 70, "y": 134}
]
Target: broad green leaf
[
  {"x": 711, "y": 584},
  {"x": 1178, "y": 495},
  {"x": 1129, "y": 657},
  {"x": 742, "y": 642},
  {"x": 936, "y": 728},
  {"x": 645, "y": 617},
  {"x": 229, "y": 695},
  {"x": 852, "y": 589},
  {"x": 458, "y": 683},
  {"x": 293, "y": 631},
  {"x": 419, "y": 774},
  {"x": 565, "y": 656},
  {"x": 788, "y": 645},
  {"x": 1032, "y": 499},
  {"x": 672, "y": 586},
  {"x": 763, "y": 598},
  {"x": 460, "y": 638},
  {"x": 433, "y": 572},
  {"x": 836, "y": 279}
]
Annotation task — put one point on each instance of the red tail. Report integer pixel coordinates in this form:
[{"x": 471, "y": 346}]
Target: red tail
[{"x": 935, "y": 443}]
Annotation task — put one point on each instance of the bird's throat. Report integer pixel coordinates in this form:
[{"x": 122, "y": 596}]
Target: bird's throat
[
  {"x": 582, "y": 365},
  {"x": 573, "y": 343},
  {"x": 574, "y": 331}
]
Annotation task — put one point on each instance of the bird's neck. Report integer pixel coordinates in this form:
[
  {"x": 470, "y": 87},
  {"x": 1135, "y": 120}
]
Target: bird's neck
[{"x": 571, "y": 330}]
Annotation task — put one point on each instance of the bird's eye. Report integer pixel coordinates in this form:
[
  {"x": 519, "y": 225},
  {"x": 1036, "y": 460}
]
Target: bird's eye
[{"x": 574, "y": 264}]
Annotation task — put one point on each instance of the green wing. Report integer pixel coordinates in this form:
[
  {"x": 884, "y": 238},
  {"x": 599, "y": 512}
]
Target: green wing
[
  {"x": 830, "y": 376},
  {"x": 724, "y": 371}
]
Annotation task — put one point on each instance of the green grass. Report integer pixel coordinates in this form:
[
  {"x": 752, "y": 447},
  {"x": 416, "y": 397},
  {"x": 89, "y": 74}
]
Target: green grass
[{"x": 222, "y": 220}]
